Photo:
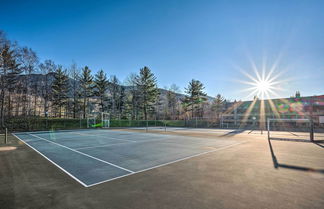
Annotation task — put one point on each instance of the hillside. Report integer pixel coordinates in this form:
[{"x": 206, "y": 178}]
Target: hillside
[{"x": 37, "y": 81}]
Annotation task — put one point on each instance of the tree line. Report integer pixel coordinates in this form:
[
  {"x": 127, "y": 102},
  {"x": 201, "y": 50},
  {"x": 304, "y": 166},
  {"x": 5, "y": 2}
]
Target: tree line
[{"x": 32, "y": 88}]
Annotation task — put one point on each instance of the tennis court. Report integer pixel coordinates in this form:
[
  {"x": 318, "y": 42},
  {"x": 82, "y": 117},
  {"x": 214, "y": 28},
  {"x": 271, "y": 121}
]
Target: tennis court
[{"x": 96, "y": 156}]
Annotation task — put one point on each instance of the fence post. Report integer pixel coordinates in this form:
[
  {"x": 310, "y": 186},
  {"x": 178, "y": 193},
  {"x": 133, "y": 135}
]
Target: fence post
[
  {"x": 46, "y": 115},
  {"x": 222, "y": 122},
  {"x": 6, "y": 135},
  {"x": 268, "y": 128},
  {"x": 312, "y": 130}
]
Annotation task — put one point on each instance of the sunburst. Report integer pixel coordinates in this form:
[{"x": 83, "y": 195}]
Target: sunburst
[
  {"x": 263, "y": 84},
  {"x": 262, "y": 87}
]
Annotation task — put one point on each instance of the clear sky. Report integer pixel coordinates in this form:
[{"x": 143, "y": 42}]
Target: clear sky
[{"x": 179, "y": 40}]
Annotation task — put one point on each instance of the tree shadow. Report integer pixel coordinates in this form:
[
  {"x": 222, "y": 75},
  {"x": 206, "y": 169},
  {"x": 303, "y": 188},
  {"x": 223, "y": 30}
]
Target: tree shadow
[
  {"x": 256, "y": 131},
  {"x": 233, "y": 133},
  {"x": 278, "y": 165}
]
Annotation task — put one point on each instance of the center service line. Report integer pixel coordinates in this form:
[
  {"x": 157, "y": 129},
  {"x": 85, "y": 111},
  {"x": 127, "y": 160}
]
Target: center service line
[{"x": 73, "y": 150}]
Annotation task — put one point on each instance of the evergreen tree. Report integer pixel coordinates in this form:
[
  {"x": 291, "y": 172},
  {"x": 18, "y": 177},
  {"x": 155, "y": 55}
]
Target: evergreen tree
[
  {"x": 218, "y": 105},
  {"x": 101, "y": 84},
  {"x": 86, "y": 82},
  {"x": 147, "y": 86},
  {"x": 195, "y": 96},
  {"x": 9, "y": 69},
  {"x": 60, "y": 89},
  {"x": 114, "y": 91}
]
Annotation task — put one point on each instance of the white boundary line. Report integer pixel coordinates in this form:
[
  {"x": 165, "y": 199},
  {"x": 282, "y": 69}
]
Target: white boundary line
[
  {"x": 52, "y": 131},
  {"x": 125, "y": 169},
  {"x": 97, "y": 135},
  {"x": 75, "y": 178},
  {"x": 109, "y": 145},
  {"x": 168, "y": 163}
]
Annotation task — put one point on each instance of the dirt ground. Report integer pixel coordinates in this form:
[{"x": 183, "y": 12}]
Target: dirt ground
[{"x": 256, "y": 174}]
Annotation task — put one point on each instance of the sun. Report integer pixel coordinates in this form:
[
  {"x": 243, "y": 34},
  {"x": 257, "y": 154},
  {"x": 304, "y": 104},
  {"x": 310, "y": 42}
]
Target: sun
[
  {"x": 262, "y": 84},
  {"x": 263, "y": 81}
]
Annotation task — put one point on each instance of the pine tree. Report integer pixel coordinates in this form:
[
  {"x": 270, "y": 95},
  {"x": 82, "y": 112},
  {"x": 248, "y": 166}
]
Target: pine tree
[
  {"x": 101, "y": 85},
  {"x": 114, "y": 91},
  {"x": 86, "y": 82},
  {"x": 218, "y": 105},
  {"x": 60, "y": 89},
  {"x": 195, "y": 96},
  {"x": 9, "y": 69},
  {"x": 146, "y": 83}
]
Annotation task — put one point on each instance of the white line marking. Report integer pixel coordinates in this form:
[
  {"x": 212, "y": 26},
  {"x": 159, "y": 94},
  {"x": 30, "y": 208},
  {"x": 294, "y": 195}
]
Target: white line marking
[
  {"x": 125, "y": 169},
  {"x": 107, "y": 145},
  {"x": 107, "y": 137},
  {"x": 32, "y": 140},
  {"x": 52, "y": 131},
  {"x": 135, "y": 142},
  {"x": 164, "y": 164},
  {"x": 75, "y": 178}
]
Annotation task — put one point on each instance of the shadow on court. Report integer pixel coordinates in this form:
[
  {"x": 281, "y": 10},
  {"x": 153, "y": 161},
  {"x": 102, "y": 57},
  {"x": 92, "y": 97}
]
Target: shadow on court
[
  {"x": 277, "y": 165},
  {"x": 233, "y": 133},
  {"x": 319, "y": 143}
]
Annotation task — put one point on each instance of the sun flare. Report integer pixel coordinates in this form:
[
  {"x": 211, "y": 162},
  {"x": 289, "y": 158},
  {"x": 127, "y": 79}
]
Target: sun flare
[
  {"x": 264, "y": 84},
  {"x": 262, "y": 87}
]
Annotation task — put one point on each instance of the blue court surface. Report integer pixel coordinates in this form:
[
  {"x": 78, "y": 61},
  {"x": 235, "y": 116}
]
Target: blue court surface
[{"x": 95, "y": 156}]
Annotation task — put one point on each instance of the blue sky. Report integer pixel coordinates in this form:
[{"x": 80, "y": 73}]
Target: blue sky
[{"x": 179, "y": 40}]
